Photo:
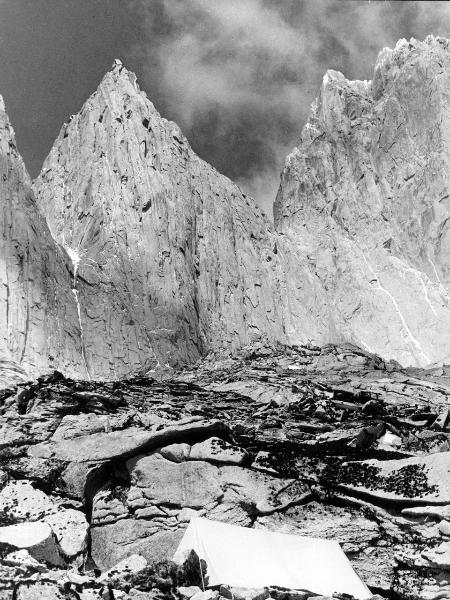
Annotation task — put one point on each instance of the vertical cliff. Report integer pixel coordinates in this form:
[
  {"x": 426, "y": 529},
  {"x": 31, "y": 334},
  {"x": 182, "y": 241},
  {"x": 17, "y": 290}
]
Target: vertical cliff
[
  {"x": 38, "y": 322},
  {"x": 172, "y": 260},
  {"x": 366, "y": 195},
  {"x": 156, "y": 258}
]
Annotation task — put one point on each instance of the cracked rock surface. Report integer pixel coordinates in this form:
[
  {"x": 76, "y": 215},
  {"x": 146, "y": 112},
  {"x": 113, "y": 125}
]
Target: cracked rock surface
[
  {"x": 172, "y": 259},
  {"x": 365, "y": 195},
  {"x": 130, "y": 252},
  {"x": 106, "y": 475},
  {"x": 38, "y": 324}
]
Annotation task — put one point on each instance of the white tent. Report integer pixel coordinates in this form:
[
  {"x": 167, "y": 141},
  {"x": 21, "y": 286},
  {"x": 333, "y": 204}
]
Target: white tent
[{"x": 257, "y": 558}]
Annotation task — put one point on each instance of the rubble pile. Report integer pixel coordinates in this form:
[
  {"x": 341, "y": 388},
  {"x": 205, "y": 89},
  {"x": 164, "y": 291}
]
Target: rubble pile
[{"x": 98, "y": 480}]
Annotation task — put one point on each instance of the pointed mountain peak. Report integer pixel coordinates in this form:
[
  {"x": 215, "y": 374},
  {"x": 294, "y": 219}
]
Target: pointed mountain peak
[
  {"x": 119, "y": 70},
  {"x": 152, "y": 223},
  {"x": 117, "y": 64},
  {"x": 117, "y": 94},
  {"x": 119, "y": 78}
]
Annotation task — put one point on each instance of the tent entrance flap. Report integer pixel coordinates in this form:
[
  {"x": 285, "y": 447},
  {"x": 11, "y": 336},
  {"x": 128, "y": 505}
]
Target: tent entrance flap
[{"x": 257, "y": 558}]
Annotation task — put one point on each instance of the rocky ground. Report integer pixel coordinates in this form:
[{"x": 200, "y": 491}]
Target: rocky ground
[{"x": 99, "y": 480}]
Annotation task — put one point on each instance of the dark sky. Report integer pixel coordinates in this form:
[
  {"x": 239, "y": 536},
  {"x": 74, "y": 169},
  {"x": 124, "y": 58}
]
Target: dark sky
[{"x": 238, "y": 76}]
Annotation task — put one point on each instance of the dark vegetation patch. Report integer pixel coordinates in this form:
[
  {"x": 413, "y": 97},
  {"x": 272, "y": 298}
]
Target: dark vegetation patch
[
  {"x": 166, "y": 576},
  {"x": 410, "y": 480},
  {"x": 6, "y": 549},
  {"x": 6, "y": 519}
]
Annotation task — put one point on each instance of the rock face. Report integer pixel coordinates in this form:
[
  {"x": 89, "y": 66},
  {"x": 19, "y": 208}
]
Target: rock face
[
  {"x": 38, "y": 315},
  {"x": 366, "y": 197},
  {"x": 171, "y": 259},
  {"x": 36, "y": 538},
  {"x": 159, "y": 259}
]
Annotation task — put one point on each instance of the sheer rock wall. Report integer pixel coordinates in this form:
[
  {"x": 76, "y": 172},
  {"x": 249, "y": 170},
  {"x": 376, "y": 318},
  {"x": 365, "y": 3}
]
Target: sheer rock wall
[
  {"x": 38, "y": 316},
  {"x": 366, "y": 197}
]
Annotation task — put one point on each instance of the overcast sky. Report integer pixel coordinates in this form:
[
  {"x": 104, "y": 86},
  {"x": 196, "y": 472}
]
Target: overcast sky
[{"x": 238, "y": 76}]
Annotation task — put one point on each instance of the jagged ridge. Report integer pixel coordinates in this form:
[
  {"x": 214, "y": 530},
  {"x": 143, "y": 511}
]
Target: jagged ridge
[{"x": 366, "y": 193}]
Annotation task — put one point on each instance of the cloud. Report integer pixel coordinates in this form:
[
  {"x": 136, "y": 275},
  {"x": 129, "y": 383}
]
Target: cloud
[{"x": 239, "y": 75}]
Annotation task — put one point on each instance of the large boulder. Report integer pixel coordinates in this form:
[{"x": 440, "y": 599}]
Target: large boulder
[
  {"x": 115, "y": 542},
  {"x": 103, "y": 446},
  {"x": 176, "y": 452},
  {"x": 150, "y": 516},
  {"x": 37, "y": 538},
  {"x": 188, "y": 484},
  {"x": 40, "y": 591},
  {"x": 20, "y": 501},
  {"x": 71, "y": 530}
]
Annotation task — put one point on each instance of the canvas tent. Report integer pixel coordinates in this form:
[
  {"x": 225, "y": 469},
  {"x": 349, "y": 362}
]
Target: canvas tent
[{"x": 257, "y": 558}]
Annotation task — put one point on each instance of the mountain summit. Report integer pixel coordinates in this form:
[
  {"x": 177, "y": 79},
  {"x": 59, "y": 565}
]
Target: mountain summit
[{"x": 172, "y": 259}]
